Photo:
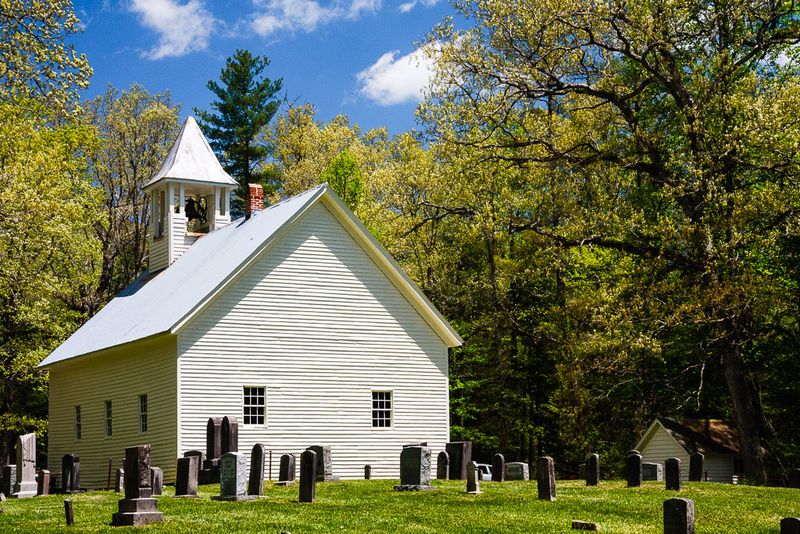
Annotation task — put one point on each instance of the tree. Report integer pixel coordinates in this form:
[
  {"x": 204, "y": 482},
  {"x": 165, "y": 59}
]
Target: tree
[
  {"x": 344, "y": 176},
  {"x": 246, "y": 102},
  {"x": 136, "y": 130},
  {"x": 662, "y": 131},
  {"x": 34, "y": 61}
]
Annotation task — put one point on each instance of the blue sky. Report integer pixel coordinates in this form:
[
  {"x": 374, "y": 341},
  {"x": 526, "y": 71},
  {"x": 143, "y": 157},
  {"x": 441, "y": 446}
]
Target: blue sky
[{"x": 352, "y": 57}]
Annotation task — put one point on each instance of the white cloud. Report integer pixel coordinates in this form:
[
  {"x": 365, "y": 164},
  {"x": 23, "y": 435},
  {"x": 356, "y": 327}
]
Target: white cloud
[
  {"x": 394, "y": 80},
  {"x": 408, "y": 6},
  {"x": 181, "y": 28},
  {"x": 305, "y": 15}
]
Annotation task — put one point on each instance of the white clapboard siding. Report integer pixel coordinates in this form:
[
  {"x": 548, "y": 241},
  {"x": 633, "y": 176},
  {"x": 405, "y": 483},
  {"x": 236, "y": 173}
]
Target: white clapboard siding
[
  {"x": 159, "y": 253},
  {"x": 181, "y": 240},
  {"x": 661, "y": 446},
  {"x": 120, "y": 375},
  {"x": 719, "y": 467},
  {"x": 318, "y": 324}
]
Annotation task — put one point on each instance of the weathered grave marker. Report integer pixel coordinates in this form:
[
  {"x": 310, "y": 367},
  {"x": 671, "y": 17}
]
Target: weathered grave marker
[
  {"x": 442, "y": 466},
  {"x": 473, "y": 486},
  {"x": 672, "y": 474},
  {"x": 696, "y": 463},
  {"x": 593, "y": 470},
  {"x": 230, "y": 434},
  {"x": 517, "y": 471},
  {"x": 186, "y": 477},
  {"x": 199, "y": 455},
  {"x": 210, "y": 472},
  {"x": 138, "y": 507},
  {"x": 308, "y": 475},
  {"x": 255, "y": 484},
  {"x": 233, "y": 478},
  {"x": 633, "y": 469},
  {"x": 9, "y": 480},
  {"x": 324, "y": 463},
  {"x": 651, "y": 471},
  {"x": 678, "y": 516},
  {"x": 790, "y": 525},
  {"x": 70, "y": 473},
  {"x": 286, "y": 470},
  {"x": 498, "y": 468},
  {"x": 367, "y": 472},
  {"x": 459, "y": 454},
  {"x": 157, "y": 480},
  {"x": 25, "y": 486},
  {"x": 68, "y": 515},
  {"x": 43, "y": 482},
  {"x": 119, "y": 480},
  {"x": 546, "y": 478},
  {"x": 584, "y": 525},
  {"x": 415, "y": 469}
]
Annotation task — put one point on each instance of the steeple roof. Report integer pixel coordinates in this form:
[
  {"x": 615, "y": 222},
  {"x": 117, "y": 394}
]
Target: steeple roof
[{"x": 191, "y": 159}]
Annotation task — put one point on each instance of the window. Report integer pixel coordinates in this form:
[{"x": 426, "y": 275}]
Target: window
[
  {"x": 254, "y": 403},
  {"x": 108, "y": 419},
  {"x": 77, "y": 422},
  {"x": 381, "y": 409},
  {"x": 142, "y": 413}
]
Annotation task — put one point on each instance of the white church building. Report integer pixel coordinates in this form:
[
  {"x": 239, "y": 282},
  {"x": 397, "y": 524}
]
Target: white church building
[{"x": 293, "y": 319}]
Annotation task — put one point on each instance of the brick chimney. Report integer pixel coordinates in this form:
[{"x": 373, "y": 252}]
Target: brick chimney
[{"x": 254, "y": 200}]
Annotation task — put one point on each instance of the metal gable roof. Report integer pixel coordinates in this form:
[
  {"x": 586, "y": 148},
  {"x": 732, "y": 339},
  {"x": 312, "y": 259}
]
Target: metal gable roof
[{"x": 161, "y": 302}]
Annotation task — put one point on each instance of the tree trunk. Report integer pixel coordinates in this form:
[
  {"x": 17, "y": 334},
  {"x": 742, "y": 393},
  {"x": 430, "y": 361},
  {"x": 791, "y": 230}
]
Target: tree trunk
[{"x": 747, "y": 413}]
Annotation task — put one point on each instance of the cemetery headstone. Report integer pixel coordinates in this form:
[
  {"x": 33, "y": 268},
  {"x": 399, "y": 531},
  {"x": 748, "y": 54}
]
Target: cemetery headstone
[
  {"x": 43, "y": 483},
  {"x": 546, "y": 478},
  {"x": 367, "y": 472},
  {"x": 70, "y": 473},
  {"x": 584, "y": 525},
  {"x": 230, "y": 434},
  {"x": 517, "y": 471},
  {"x": 9, "y": 479},
  {"x": 210, "y": 472},
  {"x": 696, "y": 463},
  {"x": 790, "y": 525},
  {"x": 652, "y": 471},
  {"x": 593, "y": 470},
  {"x": 473, "y": 486},
  {"x": 119, "y": 480},
  {"x": 286, "y": 470},
  {"x": 672, "y": 474},
  {"x": 794, "y": 478},
  {"x": 233, "y": 478},
  {"x": 25, "y": 486},
  {"x": 415, "y": 469},
  {"x": 255, "y": 484},
  {"x": 308, "y": 475},
  {"x": 157, "y": 480},
  {"x": 324, "y": 463},
  {"x": 69, "y": 516},
  {"x": 186, "y": 477},
  {"x": 498, "y": 468},
  {"x": 138, "y": 507},
  {"x": 459, "y": 454},
  {"x": 442, "y": 466},
  {"x": 199, "y": 455},
  {"x": 633, "y": 469},
  {"x": 678, "y": 516}
]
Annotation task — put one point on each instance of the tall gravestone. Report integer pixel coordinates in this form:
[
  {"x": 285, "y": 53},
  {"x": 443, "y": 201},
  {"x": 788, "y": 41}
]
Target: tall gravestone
[
  {"x": 186, "y": 477},
  {"x": 199, "y": 462},
  {"x": 70, "y": 473},
  {"x": 517, "y": 471},
  {"x": 119, "y": 480},
  {"x": 442, "y": 466},
  {"x": 473, "y": 485},
  {"x": 498, "y": 468},
  {"x": 324, "y": 463},
  {"x": 633, "y": 469},
  {"x": 415, "y": 469},
  {"x": 790, "y": 525},
  {"x": 593, "y": 470},
  {"x": 43, "y": 482},
  {"x": 696, "y": 465},
  {"x": 138, "y": 507},
  {"x": 9, "y": 479},
  {"x": 308, "y": 475},
  {"x": 459, "y": 454},
  {"x": 157, "y": 480},
  {"x": 652, "y": 471},
  {"x": 367, "y": 472},
  {"x": 672, "y": 474},
  {"x": 546, "y": 478},
  {"x": 286, "y": 470},
  {"x": 25, "y": 486},
  {"x": 233, "y": 478},
  {"x": 230, "y": 434},
  {"x": 678, "y": 516},
  {"x": 255, "y": 484},
  {"x": 210, "y": 472}
]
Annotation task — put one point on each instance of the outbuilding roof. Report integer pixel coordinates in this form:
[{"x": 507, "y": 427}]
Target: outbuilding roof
[
  {"x": 698, "y": 435},
  {"x": 161, "y": 302},
  {"x": 191, "y": 160}
]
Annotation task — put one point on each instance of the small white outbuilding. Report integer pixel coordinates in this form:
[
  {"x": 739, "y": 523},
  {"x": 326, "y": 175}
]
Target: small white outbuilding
[
  {"x": 716, "y": 439},
  {"x": 294, "y": 319}
]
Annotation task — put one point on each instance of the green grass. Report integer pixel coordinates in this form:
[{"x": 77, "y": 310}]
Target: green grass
[{"x": 372, "y": 506}]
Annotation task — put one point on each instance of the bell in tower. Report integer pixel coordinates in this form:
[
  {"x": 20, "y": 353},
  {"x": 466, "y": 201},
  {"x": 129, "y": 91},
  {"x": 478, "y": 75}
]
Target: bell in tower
[{"x": 189, "y": 195}]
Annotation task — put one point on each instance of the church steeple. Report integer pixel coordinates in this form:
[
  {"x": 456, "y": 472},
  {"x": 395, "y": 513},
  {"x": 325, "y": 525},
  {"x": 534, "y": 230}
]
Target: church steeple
[{"x": 189, "y": 195}]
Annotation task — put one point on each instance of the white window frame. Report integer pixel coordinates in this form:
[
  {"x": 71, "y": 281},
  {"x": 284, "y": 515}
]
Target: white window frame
[
  {"x": 78, "y": 423},
  {"x": 108, "y": 418},
  {"x": 378, "y": 410},
  {"x": 143, "y": 409},
  {"x": 246, "y": 397}
]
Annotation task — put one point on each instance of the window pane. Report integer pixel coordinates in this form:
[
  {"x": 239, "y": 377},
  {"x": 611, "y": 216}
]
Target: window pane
[{"x": 254, "y": 406}]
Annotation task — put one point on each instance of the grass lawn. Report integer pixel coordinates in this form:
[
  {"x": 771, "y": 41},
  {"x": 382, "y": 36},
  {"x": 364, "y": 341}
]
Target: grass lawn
[{"x": 372, "y": 506}]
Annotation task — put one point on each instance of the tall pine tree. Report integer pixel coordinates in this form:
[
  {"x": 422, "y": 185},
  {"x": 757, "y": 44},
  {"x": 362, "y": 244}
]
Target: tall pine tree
[{"x": 246, "y": 102}]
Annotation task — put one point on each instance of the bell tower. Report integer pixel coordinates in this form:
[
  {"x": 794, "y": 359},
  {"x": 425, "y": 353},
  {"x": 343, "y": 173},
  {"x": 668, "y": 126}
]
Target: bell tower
[{"x": 189, "y": 197}]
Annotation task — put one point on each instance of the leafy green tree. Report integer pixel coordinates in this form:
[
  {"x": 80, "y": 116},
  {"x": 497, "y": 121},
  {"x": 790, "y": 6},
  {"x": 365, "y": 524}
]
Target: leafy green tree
[
  {"x": 663, "y": 131},
  {"x": 34, "y": 60},
  {"x": 246, "y": 102},
  {"x": 344, "y": 176}
]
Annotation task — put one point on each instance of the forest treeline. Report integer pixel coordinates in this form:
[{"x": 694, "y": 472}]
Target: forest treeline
[{"x": 601, "y": 197}]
